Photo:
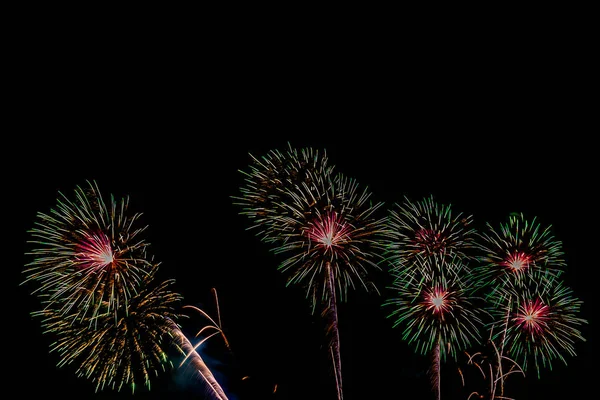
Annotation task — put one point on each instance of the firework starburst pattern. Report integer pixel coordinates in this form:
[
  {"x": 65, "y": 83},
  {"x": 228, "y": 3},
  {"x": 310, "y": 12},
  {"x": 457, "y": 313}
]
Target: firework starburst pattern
[
  {"x": 538, "y": 322},
  {"x": 89, "y": 257}
]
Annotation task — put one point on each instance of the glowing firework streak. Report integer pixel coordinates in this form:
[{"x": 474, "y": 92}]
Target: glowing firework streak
[
  {"x": 215, "y": 325},
  {"x": 435, "y": 371},
  {"x": 189, "y": 350},
  {"x": 334, "y": 345}
]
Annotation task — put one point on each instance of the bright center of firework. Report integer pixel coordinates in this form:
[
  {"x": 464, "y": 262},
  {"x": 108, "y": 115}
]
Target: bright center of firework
[
  {"x": 329, "y": 231},
  {"x": 437, "y": 300},
  {"x": 429, "y": 240},
  {"x": 532, "y": 316},
  {"x": 95, "y": 251},
  {"x": 517, "y": 262}
]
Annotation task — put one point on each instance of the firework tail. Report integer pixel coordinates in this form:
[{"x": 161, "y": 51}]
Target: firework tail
[
  {"x": 435, "y": 371},
  {"x": 198, "y": 363},
  {"x": 332, "y": 328}
]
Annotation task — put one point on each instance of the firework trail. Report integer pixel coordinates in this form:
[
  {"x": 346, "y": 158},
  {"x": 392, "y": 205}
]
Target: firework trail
[
  {"x": 215, "y": 325},
  {"x": 433, "y": 293},
  {"x": 322, "y": 222},
  {"x": 190, "y": 351},
  {"x": 193, "y": 358},
  {"x": 89, "y": 258}
]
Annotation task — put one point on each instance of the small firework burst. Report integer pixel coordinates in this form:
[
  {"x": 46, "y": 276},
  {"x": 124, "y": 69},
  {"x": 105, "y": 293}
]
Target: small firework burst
[
  {"x": 432, "y": 300},
  {"x": 518, "y": 249},
  {"x": 425, "y": 228},
  {"x": 538, "y": 321},
  {"x": 118, "y": 353},
  {"x": 89, "y": 257}
]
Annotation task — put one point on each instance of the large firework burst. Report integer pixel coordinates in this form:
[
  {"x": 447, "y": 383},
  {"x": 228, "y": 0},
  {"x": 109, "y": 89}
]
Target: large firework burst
[
  {"x": 537, "y": 322},
  {"x": 322, "y": 221},
  {"x": 89, "y": 258},
  {"x": 325, "y": 224},
  {"x": 432, "y": 300},
  {"x": 117, "y": 353},
  {"x": 335, "y": 239}
]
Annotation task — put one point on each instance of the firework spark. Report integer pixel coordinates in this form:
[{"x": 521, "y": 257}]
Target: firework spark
[{"x": 89, "y": 257}]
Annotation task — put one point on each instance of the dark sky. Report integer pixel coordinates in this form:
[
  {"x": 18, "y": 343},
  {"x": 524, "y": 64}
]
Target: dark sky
[{"x": 489, "y": 141}]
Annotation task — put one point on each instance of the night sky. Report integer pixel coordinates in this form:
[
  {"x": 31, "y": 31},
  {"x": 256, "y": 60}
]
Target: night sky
[{"x": 173, "y": 139}]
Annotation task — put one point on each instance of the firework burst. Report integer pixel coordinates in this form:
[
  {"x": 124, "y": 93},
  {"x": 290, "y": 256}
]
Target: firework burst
[
  {"x": 116, "y": 354},
  {"x": 337, "y": 241},
  {"x": 276, "y": 182},
  {"x": 425, "y": 228},
  {"x": 516, "y": 250},
  {"x": 324, "y": 224},
  {"x": 433, "y": 302},
  {"x": 537, "y": 322},
  {"x": 89, "y": 257}
]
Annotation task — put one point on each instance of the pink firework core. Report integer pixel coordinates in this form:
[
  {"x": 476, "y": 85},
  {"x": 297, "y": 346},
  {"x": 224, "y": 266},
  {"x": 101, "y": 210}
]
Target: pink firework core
[
  {"x": 429, "y": 239},
  {"x": 95, "y": 252},
  {"x": 532, "y": 316},
  {"x": 517, "y": 262},
  {"x": 437, "y": 300},
  {"x": 330, "y": 231}
]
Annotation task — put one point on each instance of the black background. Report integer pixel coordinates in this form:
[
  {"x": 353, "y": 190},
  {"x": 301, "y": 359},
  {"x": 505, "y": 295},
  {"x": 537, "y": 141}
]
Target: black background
[{"x": 488, "y": 127}]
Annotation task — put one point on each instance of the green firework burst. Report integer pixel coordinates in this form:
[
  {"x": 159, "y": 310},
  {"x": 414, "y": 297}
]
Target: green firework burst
[{"x": 432, "y": 299}]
